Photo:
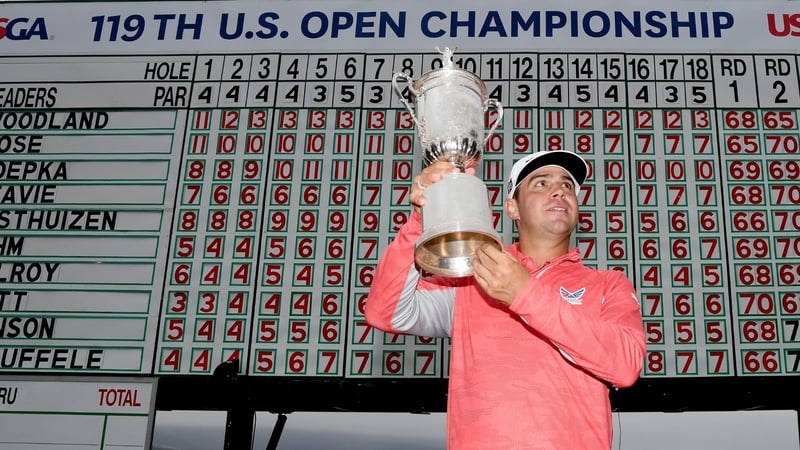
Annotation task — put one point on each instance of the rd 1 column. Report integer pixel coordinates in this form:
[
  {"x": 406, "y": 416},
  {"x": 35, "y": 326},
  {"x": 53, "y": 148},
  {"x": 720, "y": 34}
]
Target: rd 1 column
[{"x": 87, "y": 158}]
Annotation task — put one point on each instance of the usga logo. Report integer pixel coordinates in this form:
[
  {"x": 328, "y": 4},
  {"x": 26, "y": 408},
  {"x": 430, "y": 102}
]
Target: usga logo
[
  {"x": 784, "y": 25},
  {"x": 22, "y": 28}
]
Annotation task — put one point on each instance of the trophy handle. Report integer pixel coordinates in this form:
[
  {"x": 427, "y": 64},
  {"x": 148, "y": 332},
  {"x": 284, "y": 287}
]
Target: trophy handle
[
  {"x": 400, "y": 76},
  {"x": 492, "y": 103}
]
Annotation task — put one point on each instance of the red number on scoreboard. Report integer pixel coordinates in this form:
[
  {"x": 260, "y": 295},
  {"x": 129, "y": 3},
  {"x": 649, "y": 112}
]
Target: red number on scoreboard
[
  {"x": 329, "y": 331},
  {"x": 643, "y": 119},
  {"x": 654, "y": 332},
  {"x": 393, "y": 362},
  {"x": 265, "y": 361},
  {"x": 174, "y": 330},
  {"x": 177, "y": 302},
  {"x": 655, "y": 363},
  {"x": 172, "y": 360},
  {"x": 715, "y": 331},
  {"x": 761, "y": 361},
  {"x": 296, "y": 361},
  {"x": 267, "y": 330},
  {"x": 779, "y": 119},
  {"x": 740, "y": 119},
  {"x": 207, "y": 303},
  {"x": 258, "y": 119}
]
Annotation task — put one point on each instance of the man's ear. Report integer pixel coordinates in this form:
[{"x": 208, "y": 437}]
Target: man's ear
[{"x": 512, "y": 211}]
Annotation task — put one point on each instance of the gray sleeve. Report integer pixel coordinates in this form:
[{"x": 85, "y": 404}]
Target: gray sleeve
[{"x": 424, "y": 312}]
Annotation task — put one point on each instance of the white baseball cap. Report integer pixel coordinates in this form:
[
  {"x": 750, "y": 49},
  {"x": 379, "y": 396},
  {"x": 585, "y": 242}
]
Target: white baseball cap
[{"x": 575, "y": 166}]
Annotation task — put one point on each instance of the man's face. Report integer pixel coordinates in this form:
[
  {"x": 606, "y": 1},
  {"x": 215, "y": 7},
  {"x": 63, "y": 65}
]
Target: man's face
[{"x": 546, "y": 203}]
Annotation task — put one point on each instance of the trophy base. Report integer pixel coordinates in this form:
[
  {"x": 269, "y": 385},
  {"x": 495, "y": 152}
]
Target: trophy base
[
  {"x": 455, "y": 221},
  {"x": 450, "y": 254}
]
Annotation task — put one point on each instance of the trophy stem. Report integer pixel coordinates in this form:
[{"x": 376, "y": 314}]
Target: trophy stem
[{"x": 462, "y": 152}]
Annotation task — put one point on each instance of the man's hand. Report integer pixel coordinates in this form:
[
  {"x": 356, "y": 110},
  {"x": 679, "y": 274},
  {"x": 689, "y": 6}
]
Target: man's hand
[{"x": 498, "y": 273}]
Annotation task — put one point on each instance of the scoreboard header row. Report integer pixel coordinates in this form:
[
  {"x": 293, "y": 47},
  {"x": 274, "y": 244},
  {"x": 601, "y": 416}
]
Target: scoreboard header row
[
  {"x": 364, "y": 80},
  {"x": 489, "y": 66}
]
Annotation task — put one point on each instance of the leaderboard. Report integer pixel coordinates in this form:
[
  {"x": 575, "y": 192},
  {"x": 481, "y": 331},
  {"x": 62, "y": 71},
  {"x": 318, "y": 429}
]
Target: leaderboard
[{"x": 163, "y": 214}]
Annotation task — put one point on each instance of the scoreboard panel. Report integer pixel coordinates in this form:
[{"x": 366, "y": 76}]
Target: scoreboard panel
[{"x": 168, "y": 207}]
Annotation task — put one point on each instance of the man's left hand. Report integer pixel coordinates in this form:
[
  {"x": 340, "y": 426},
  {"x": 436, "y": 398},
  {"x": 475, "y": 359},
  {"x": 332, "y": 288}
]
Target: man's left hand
[{"x": 498, "y": 273}]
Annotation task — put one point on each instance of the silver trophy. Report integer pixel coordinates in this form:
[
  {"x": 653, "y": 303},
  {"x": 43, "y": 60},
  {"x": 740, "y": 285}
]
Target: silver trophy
[{"x": 448, "y": 111}]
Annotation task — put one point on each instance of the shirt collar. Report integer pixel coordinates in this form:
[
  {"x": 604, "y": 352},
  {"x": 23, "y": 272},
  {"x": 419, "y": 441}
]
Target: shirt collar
[{"x": 573, "y": 255}]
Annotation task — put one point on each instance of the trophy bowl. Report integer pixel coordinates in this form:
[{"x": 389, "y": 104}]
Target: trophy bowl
[{"x": 448, "y": 111}]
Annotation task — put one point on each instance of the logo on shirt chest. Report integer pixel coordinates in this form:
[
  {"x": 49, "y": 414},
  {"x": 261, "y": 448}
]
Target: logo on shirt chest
[{"x": 574, "y": 298}]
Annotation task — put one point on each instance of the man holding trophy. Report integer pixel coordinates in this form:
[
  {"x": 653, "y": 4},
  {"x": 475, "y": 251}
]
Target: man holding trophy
[{"x": 537, "y": 337}]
